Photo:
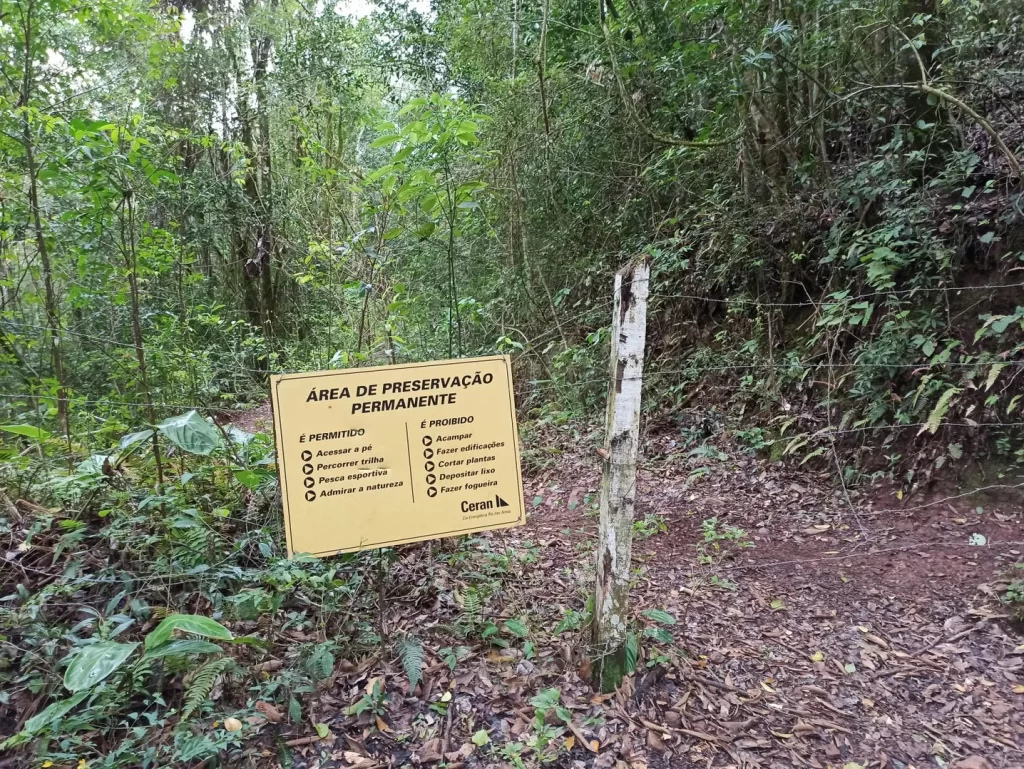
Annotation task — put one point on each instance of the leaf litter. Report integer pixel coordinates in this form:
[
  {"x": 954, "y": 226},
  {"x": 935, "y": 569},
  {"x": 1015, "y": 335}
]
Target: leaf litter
[
  {"x": 835, "y": 640},
  {"x": 776, "y": 627}
]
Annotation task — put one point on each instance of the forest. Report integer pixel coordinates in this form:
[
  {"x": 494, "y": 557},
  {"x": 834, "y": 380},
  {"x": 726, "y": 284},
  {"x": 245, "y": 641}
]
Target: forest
[{"x": 199, "y": 195}]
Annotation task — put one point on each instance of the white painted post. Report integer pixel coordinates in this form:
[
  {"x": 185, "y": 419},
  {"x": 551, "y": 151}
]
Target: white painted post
[{"x": 618, "y": 488}]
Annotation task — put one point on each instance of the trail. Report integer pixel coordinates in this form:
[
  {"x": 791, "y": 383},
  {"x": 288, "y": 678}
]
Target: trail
[{"x": 842, "y": 637}]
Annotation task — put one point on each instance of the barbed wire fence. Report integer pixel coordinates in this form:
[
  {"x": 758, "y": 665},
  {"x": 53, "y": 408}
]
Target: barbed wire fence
[{"x": 813, "y": 427}]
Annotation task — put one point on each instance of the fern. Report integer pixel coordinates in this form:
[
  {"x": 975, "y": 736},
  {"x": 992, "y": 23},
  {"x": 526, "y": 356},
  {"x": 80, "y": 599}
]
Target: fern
[
  {"x": 320, "y": 663},
  {"x": 410, "y": 652},
  {"x": 472, "y": 604},
  {"x": 935, "y": 418},
  {"x": 993, "y": 375},
  {"x": 140, "y": 673},
  {"x": 201, "y": 684}
]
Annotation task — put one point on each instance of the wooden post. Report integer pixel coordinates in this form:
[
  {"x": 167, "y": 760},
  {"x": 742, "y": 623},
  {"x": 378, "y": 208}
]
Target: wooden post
[{"x": 618, "y": 488}]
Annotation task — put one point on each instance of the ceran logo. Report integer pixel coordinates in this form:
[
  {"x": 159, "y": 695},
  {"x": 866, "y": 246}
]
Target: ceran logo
[{"x": 487, "y": 504}]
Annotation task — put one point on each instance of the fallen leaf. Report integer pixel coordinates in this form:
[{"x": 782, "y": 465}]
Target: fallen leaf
[
  {"x": 1018, "y": 689},
  {"x": 481, "y": 738},
  {"x": 356, "y": 759},
  {"x": 591, "y": 745},
  {"x": 381, "y": 726},
  {"x": 570, "y": 742},
  {"x": 654, "y": 742},
  {"x": 972, "y": 762},
  {"x": 268, "y": 710},
  {"x": 430, "y": 752},
  {"x": 800, "y": 728},
  {"x": 818, "y": 656}
]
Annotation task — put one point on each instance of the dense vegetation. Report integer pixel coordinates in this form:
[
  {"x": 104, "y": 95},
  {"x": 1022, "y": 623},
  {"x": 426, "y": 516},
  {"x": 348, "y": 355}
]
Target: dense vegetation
[
  {"x": 827, "y": 192},
  {"x": 195, "y": 196}
]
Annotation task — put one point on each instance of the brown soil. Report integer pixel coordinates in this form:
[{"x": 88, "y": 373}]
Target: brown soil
[{"x": 858, "y": 629}]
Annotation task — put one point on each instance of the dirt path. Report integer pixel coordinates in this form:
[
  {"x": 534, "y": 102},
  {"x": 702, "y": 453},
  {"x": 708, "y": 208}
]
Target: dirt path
[
  {"x": 853, "y": 631},
  {"x": 856, "y": 630}
]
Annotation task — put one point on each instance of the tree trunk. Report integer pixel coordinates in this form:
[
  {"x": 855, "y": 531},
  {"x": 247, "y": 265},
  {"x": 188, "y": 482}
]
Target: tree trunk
[
  {"x": 50, "y": 296},
  {"x": 618, "y": 488}
]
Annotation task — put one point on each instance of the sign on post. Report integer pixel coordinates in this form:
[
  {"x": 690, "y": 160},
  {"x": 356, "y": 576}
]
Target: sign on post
[{"x": 374, "y": 457}]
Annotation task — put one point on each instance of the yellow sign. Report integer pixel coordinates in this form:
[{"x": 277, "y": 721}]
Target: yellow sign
[{"x": 373, "y": 457}]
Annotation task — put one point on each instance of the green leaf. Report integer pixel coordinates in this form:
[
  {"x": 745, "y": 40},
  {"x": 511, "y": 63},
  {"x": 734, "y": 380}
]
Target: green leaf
[
  {"x": 188, "y": 623},
  {"x": 993, "y": 374},
  {"x": 659, "y": 634},
  {"x": 410, "y": 652},
  {"x": 517, "y": 628},
  {"x": 53, "y": 713},
  {"x": 132, "y": 438},
  {"x": 429, "y": 202},
  {"x": 191, "y": 433},
  {"x": 29, "y": 431},
  {"x": 662, "y": 617},
  {"x": 988, "y": 237},
  {"x": 251, "y": 479},
  {"x": 320, "y": 664},
  {"x": 632, "y": 651},
  {"x": 935, "y": 418},
  {"x": 412, "y": 104},
  {"x": 546, "y": 699},
  {"x": 92, "y": 465},
  {"x": 92, "y": 664},
  {"x": 322, "y": 730},
  {"x": 1002, "y": 322},
  {"x": 384, "y": 141},
  {"x": 182, "y": 646},
  {"x": 481, "y": 738}
]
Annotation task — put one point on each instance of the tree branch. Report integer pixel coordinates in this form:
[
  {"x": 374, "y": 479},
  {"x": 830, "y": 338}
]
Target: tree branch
[{"x": 658, "y": 137}]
